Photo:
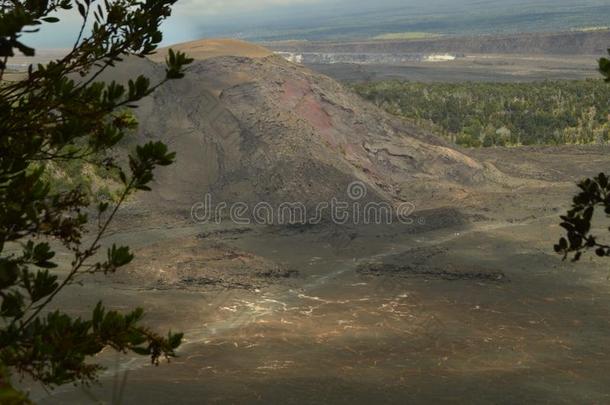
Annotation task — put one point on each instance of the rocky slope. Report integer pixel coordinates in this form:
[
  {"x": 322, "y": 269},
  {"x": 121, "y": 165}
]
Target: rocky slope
[{"x": 264, "y": 129}]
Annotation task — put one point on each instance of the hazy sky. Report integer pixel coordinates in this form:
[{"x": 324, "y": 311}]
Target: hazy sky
[
  {"x": 193, "y": 19},
  {"x": 228, "y": 6}
]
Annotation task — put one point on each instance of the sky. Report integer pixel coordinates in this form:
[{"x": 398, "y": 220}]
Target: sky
[{"x": 194, "y": 19}]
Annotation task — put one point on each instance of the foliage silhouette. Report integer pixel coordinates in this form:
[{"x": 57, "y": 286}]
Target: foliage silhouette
[
  {"x": 594, "y": 194},
  {"x": 61, "y": 112}
]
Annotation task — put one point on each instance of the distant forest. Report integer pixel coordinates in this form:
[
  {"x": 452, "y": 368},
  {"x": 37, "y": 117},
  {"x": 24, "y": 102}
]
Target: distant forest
[{"x": 501, "y": 114}]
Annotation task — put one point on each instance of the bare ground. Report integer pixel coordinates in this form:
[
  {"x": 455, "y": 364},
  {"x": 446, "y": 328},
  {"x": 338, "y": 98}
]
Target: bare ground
[
  {"x": 472, "y": 68},
  {"x": 468, "y": 305}
]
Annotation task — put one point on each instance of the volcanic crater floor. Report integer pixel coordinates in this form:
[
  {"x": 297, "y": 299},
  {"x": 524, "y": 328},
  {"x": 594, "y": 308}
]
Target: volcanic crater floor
[{"x": 479, "y": 310}]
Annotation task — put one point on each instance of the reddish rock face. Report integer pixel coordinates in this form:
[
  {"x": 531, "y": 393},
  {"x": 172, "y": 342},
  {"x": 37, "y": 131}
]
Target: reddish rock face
[{"x": 307, "y": 105}]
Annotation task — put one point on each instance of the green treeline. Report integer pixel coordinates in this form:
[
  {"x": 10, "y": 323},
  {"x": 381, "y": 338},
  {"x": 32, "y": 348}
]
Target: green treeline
[{"x": 501, "y": 114}]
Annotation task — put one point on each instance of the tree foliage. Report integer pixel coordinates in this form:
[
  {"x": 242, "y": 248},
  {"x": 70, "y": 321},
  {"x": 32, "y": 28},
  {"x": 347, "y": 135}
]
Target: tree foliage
[
  {"x": 594, "y": 195},
  {"x": 62, "y": 112},
  {"x": 501, "y": 114}
]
